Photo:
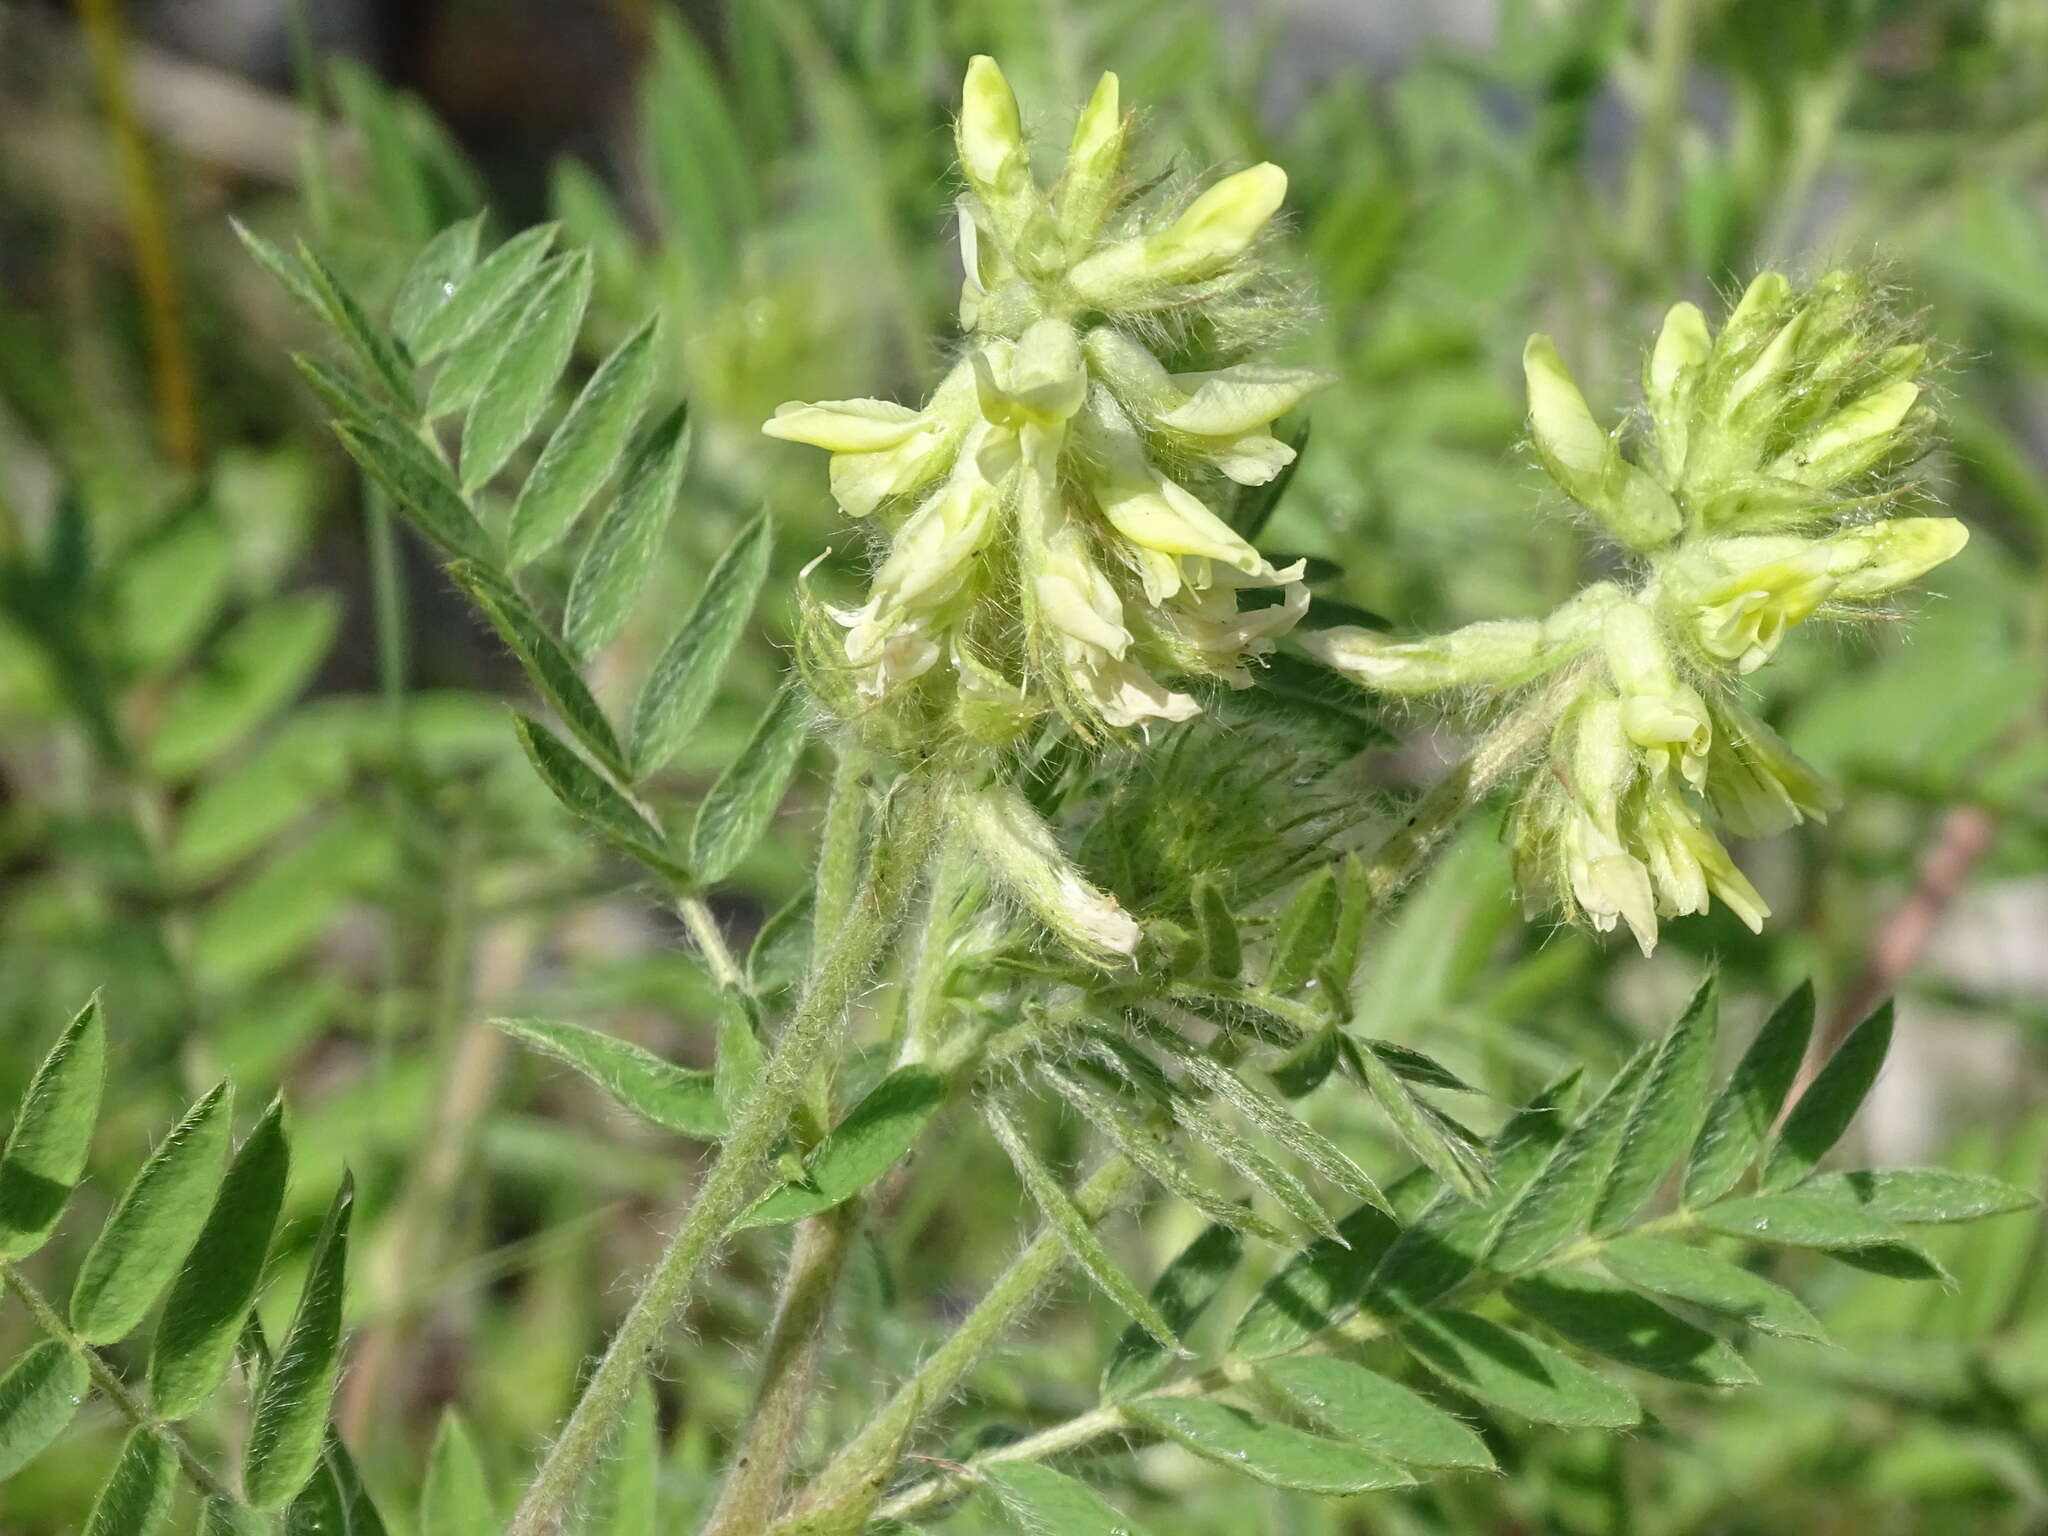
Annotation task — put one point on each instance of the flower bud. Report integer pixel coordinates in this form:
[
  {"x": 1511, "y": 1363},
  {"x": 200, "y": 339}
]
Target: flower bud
[
  {"x": 1094, "y": 161},
  {"x": 1020, "y": 852},
  {"x": 1878, "y": 560},
  {"x": 1584, "y": 461},
  {"x": 1670, "y": 378},
  {"x": 1757, "y": 784},
  {"x": 1217, "y": 228}
]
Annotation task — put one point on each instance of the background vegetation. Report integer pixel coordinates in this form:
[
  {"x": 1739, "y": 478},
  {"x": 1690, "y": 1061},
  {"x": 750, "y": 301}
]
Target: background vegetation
[{"x": 260, "y": 789}]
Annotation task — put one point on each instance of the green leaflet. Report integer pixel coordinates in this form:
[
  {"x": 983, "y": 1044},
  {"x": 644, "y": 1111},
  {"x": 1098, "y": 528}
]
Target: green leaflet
[
  {"x": 737, "y": 810},
  {"x": 1222, "y": 952},
  {"x": 289, "y": 1421},
  {"x": 876, "y": 1134},
  {"x": 1074, "y": 1233},
  {"x": 1382, "y": 1415},
  {"x": 1830, "y": 1102},
  {"x": 345, "y": 317},
  {"x": 1308, "y": 1065},
  {"x": 52, "y": 1133},
  {"x": 1182, "y": 1293},
  {"x": 1707, "y": 1280},
  {"x": 234, "y": 813},
  {"x": 1742, "y": 1116},
  {"x": 195, "y": 1338},
  {"x": 590, "y": 798},
  {"x": 258, "y": 668},
  {"x": 1513, "y": 1371},
  {"x": 1418, "y": 1126},
  {"x": 1201, "y": 1122},
  {"x": 1559, "y": 1200},
  {"x": 674, "y": 1098},
  {"x": 434, "y": 278},
  {"x": 1042, "y": 1502},
  {"x": 551, "y": 668},
  {"x": 138, "y": 1495},
  {"x": 584, "y": 450},
  {"x": 456, "y": 1500},
  {"x": 482, "y": 294},
  {"x": 619, "y": 1498},
  {"x": 38, "y": 1398},
  {"x": 1921, "y": 1196},
  {"x": 419, "y": 484},
  {"x": 289, "y": 272},
  {"x": 627, "y": 537},
  {"x": 509, "y": 405},
  {"x": 473, "y": 362},
  {"x": 1799, "y": 1220},
  {"x": 1607, "y": 1320},
  {"x": 1307, "y": 930},
  {"x": 1443, "y": 1242},
  {"x": 1272, "y": 1453},
  {"x": 156, "y": 1221},
  {"x": 1317, "y": 1288},
  {"x": 1153, "y": 1151},
  {"x": 1666, "y": 1115},
  {"x": 273, "y": 915},
  {"x": 334, "y": 1499},
  {"x": 682, "y": 682},
  {"x": 1274, "y": 1118}
]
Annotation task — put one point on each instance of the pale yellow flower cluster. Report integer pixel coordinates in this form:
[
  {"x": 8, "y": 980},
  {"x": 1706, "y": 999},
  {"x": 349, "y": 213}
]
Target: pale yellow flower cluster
[
  {"x": 1755, "y": 505},
  {"x": 1049, "y": 537}
]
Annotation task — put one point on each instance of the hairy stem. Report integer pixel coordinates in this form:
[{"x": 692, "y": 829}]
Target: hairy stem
[
  {"x": 130, "y": 1407},
  {"x": 759, "y": 1464},
  {"x": 811, "y": 1034}
]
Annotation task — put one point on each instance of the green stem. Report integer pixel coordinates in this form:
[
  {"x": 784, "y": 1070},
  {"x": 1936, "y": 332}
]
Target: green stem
[
  {"x": 810, "y": 1036},
  {"x": 131, "y": 1407},
  {"x": 1655, "y": 167},
  {"x": 718, "y": 956}
]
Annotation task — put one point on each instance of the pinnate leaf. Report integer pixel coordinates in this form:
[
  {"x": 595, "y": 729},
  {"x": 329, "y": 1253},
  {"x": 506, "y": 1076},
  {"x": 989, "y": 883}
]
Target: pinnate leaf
[{"x": 1557, "y": 1203}]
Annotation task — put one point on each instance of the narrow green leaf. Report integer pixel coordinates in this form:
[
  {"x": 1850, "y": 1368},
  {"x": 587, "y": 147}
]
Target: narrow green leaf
[
  {"x": 39, "y": 1397},
  {"x": 1607, "y": 1320},
  {"x": 470, "y": 364},
  {"x": 550, "y": 667},
  {"x": 1227, "y": 1142},
  {"x": 589, "y": 797},
  {"x": 52, "y": 1133},
  {"x": 1074, "y": 1233},
  {"x": 347, "y": 319},
  {"x": 286, "y": 268},
  {"x": 456, "y": 1500},
  {"x": 202, "y": 1318},
  {"x": 1709, "y": 1281},
  {"x": 1381, "y": 1415},
  {"x": 1042, "y": 1502},
  {"x": 1799, "y": 1220},
  {"x": 334, "y": 1500},
  {"x": 1923, "y": 1196},
  {"x": 482, "y": 294},
  {"x": 1222, "y": 953},
  {"x": 138, "y": 1495},
  {"x": 1308, "y": 927},
  {"x": 1308, "y": 1065},
  {"x": 289, "y": 1422},
  {"x": 1444, "y": 1241},
  {"x": 1741, "y": 1117},
  {"x": 1316, "y": 1289},
  {"x": 342, "y": 395},
  {"x": 1419, "y": 1129},
  {"x": 1182, "y": 1293},
  {"x": 434, "y": 277},
  {"x": 1513, "y": 1371},
  {"x": 584, "y": 450},
  {"x": 220, "y": 1518},
  {"x": 257, "y": 668},
  {"x": 1894, "y": 1261},
  {"x": 510, "y": 404},
  {"x": 674, "y": 1098},
  {"x": 1558, "y": 1202},
  {"x": 1259, "y": 1448},
  {"x": 1665, "y": 1117},
  {"x": 737, "y": 810},
  {"x": 139, "y": 1249},
  {"x": 624, "y": 543},
  {"x": 419, "y": 484},
  {"x": 1274, "y": 1118},
  {"x": 620, "y": 1497},
  {"x": 1830, "y": 1102},
  {"x": 876, "y": 1134},
  {"x": 1418, "y": 1068},
  {"x": 683, "y": 680},
  {"x": 1152, "y": 1150}
]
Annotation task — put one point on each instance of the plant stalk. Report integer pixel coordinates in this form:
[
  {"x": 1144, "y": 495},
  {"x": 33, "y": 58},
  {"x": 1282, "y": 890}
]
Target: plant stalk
[{"x": 811, "y": 1035}]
